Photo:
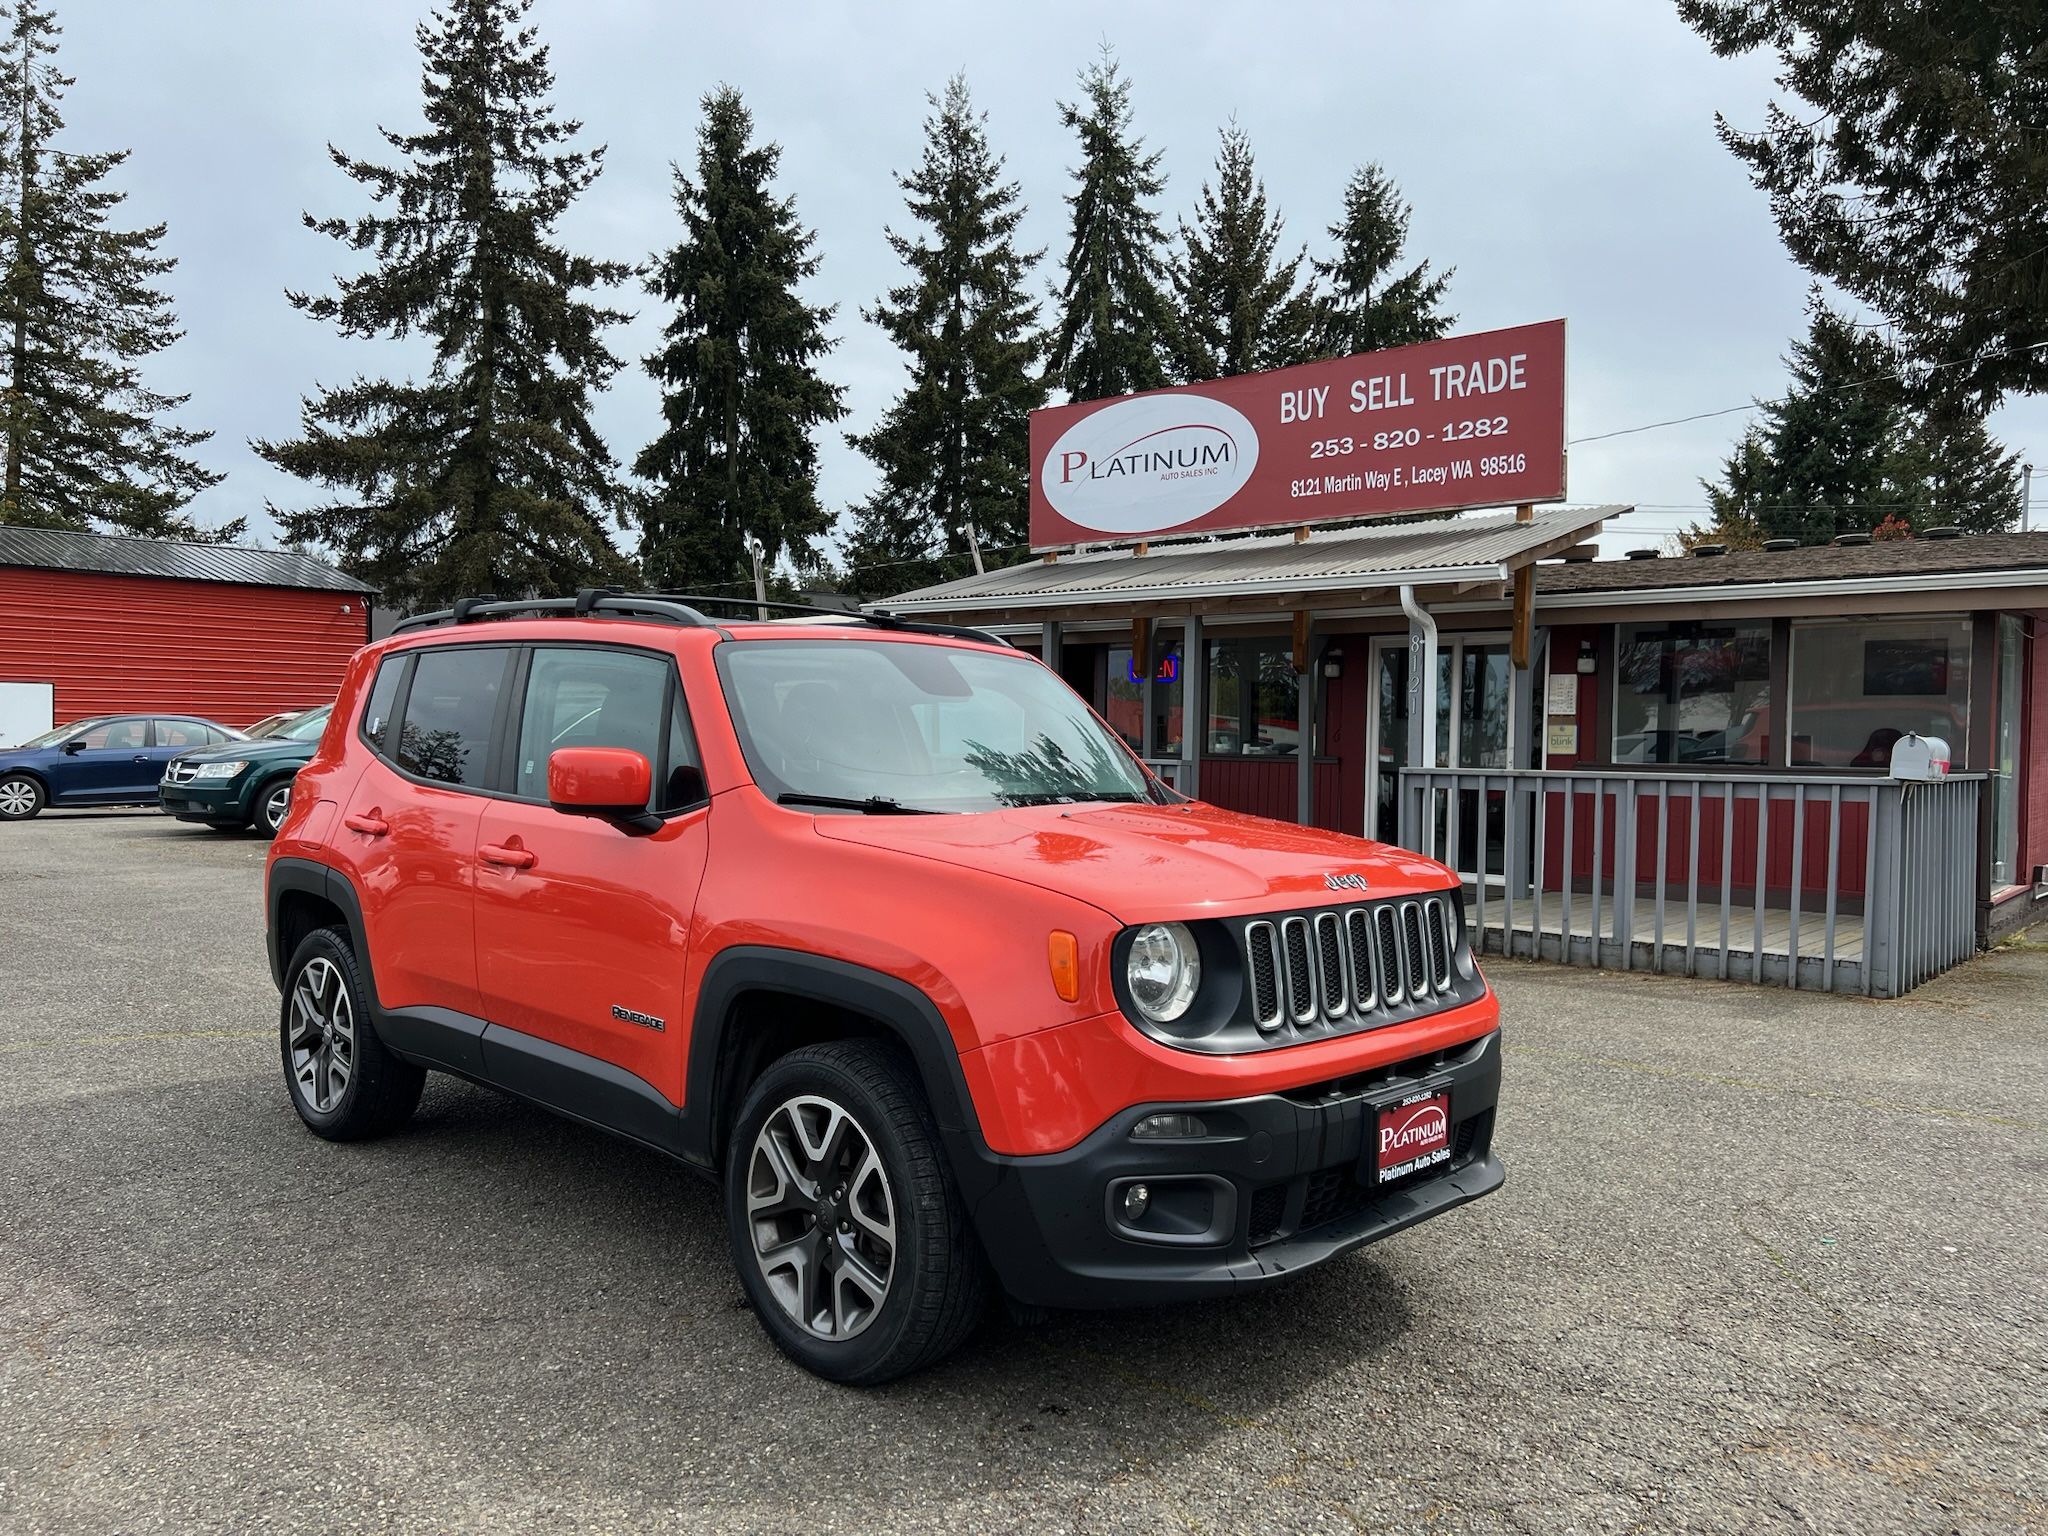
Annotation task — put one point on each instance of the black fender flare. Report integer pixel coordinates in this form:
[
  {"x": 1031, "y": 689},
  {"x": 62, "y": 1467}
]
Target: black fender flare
[
  {"x": 898, "y": 1007},
  {"x": 307, "y": 877}
]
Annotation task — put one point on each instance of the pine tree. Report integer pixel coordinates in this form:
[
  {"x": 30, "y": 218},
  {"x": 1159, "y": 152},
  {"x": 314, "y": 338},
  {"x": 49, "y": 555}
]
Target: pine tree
[
  {"x": 1367, "y": 303},
  {"x": 86, "y": 440},
  {"x": 741, "y": 391},
  {"x": 1116, "y": 327},
  {"x": 1846, "y": 448},
  {"x": 1910, "y": 173},
  {"x": 1241, "y": 309},
  {"x": 488, "y": 476},
  {"x": 954, "y": 449}
]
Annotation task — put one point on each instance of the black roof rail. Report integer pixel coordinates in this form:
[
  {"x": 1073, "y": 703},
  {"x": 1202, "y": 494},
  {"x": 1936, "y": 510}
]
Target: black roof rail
[
  {"x": 602, "y": 602},
  {"x": 673, "y": 607},
  {"x": 882, "y": 618}
]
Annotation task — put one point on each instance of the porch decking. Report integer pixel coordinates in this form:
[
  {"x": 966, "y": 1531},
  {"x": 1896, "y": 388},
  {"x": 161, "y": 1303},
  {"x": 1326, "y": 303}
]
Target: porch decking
[{"x": 1540, "y": 927}]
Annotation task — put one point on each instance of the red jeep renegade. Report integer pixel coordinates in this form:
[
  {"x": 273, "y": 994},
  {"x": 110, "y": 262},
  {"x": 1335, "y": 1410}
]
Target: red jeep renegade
[{"x": 880, "y": 926}]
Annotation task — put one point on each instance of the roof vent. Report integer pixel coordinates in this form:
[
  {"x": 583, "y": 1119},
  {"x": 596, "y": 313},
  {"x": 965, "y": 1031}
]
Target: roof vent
[
  {"x": 1941, "y": 533},
  {"x": 1852, "y": 540},
  {"x": 1776, "y": 546},
  {"x": 1642, "y": 554},
  {"x": 1708, "y": 551}
]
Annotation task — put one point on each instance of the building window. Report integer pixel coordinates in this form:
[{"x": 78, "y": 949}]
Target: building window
[
  {"x": 1254, "y": 699},
  {"x": 1690, "y": 693},
  {"x": 1858, "y": 685},
  {"x": 1126, "y": 711}
]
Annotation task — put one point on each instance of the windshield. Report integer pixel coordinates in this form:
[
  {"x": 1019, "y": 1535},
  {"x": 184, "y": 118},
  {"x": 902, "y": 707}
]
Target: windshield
[
  {"x": 891, "y": 725},
  {"x": 306, "y": 727},
  {"x": 51, "y": 738}
]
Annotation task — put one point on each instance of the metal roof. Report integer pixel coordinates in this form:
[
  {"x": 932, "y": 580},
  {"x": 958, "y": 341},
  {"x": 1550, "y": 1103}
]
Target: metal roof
[
  {"x": 1458, "y": 550},
  {"x": 54, "y": 549},
  {"x": 1885, "y": 560}
]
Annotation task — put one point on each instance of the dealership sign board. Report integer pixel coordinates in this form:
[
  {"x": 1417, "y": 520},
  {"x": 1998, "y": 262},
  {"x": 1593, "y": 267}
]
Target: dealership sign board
[{"x": 1472, "y": 421}]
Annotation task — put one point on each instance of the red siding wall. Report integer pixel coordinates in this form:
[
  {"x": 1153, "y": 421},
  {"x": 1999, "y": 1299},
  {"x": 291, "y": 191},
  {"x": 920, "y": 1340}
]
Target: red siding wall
[
  {"x": 1265, "y": 786},
  {"x": 113, "y": 644}
]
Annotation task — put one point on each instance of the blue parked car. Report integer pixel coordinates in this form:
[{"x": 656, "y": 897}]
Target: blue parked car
[{"x": 108, "y": 760}]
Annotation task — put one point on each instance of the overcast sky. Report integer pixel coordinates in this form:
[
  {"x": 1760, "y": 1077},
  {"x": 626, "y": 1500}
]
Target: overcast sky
[{"x": 1562, "y": 157}]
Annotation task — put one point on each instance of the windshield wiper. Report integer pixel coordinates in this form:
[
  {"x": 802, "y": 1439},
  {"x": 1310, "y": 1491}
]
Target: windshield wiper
[{"x": 874, "y": 805}]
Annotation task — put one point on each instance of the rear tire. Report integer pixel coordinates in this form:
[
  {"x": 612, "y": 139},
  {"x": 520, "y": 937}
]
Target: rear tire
[
  {"x": 21, "y": 797},
  {"x": 345, "y": 1085},
  {"x": 847, "y": 1228}
]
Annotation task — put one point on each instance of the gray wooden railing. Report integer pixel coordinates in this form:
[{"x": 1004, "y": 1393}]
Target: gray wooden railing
[{"x": 1845, "y": 883}]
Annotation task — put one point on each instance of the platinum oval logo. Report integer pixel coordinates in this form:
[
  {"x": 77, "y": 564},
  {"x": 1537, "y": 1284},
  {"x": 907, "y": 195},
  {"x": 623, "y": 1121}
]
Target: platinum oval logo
[{"x": 1150, "y": 463}]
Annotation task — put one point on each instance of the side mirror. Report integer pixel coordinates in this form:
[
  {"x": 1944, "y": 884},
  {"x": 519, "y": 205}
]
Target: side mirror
[
  {"x": 601, "y": 781},
  {"x": 74, "y": 746}
]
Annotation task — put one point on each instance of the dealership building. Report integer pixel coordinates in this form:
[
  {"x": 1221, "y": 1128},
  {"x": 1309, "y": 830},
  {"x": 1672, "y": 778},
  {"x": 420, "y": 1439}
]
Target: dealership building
[{"x": 1721, "y": 764}]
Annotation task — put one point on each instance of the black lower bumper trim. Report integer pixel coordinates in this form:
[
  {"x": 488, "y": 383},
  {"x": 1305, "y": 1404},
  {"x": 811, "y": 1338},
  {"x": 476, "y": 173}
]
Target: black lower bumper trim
[{"x": 1294, "y": 1189}]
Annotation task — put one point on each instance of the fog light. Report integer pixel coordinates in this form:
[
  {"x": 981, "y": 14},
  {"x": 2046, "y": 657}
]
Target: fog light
[
  {"x": 1136, "y": 1198},
  {"x": 1172, "y": 1126}
]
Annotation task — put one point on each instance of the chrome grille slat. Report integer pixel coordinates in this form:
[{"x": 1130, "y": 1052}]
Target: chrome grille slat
[
  {"x": 1414, "y": 965},
  {"x": 1386, "y": 927},
  {"x": 1358, "y": 930},
  {"x": 1262, "y": 952},
  {"x": 1437, "y": 912},
  {"x": 1301, "y": 982}
]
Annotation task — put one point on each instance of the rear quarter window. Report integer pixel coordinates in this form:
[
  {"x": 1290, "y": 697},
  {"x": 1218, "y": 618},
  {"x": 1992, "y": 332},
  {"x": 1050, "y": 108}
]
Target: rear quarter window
[{"x": 445, "y": 732}]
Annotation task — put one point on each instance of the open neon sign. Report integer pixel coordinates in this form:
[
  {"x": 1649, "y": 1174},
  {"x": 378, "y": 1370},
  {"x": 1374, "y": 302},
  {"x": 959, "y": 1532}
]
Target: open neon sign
[{"x": 1169, "y": 670}]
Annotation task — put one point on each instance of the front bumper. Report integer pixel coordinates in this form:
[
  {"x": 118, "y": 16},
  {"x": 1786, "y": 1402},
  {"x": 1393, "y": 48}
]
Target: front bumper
[
  {"x": 1279, "y": 1172},
  {"x": 217, "y": 804}
]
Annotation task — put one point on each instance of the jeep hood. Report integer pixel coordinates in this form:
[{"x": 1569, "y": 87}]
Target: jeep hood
[{"x": 1142, "y": 863}]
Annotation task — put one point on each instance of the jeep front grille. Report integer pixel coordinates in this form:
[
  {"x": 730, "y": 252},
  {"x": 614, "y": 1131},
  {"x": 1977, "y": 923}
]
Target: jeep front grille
[{"x": 1352, "y": 966}]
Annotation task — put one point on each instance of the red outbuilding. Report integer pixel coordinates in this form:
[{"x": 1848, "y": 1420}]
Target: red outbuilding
[{"x": 113, "y": 625}]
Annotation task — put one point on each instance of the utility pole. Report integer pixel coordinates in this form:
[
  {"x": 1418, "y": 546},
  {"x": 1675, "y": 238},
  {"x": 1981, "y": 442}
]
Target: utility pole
[
  {"x": 2026, "y": 494},
  {"x": 974, "y": 546},
  {"x": 759, "y": 551}
]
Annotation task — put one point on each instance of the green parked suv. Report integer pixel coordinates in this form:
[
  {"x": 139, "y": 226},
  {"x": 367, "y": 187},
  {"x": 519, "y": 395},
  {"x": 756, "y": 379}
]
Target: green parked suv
[{"x": 246, "y": 782}]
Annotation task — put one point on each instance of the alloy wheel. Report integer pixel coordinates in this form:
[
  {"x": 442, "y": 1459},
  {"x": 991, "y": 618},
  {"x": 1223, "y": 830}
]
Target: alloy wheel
[
  {"x": 275, "y": 804},
  {"x": 823, "y": 1217},
  {"x": 17, "y": 797},
  {"x": 323, "y": 1034}
]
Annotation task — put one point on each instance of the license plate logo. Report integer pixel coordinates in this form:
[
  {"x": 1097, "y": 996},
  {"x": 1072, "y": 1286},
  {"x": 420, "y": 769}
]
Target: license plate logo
[{"x": 1414, "y": 1134}]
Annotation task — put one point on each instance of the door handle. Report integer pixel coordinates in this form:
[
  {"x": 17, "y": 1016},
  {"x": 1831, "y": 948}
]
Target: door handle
[
  {"x": 510, "y": 858},
  {"x": 372, "y": 825}
]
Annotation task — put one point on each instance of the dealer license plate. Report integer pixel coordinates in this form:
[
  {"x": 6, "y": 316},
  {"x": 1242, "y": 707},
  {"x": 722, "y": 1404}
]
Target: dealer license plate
[{"x": 1413, "y": 1134}]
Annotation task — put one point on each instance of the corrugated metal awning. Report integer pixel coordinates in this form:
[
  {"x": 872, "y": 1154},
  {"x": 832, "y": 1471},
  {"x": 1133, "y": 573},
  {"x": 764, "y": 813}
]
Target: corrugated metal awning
[
  {"x": 1462, "y": 551},
  {"x": 55, "y": 549}
]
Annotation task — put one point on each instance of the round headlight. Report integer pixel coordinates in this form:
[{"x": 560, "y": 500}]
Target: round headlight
[{"x": 1164, "y": 971}]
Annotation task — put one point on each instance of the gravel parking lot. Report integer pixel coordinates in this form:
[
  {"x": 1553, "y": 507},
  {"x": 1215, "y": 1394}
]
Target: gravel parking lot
[{"x": 1764, "y": 1262}]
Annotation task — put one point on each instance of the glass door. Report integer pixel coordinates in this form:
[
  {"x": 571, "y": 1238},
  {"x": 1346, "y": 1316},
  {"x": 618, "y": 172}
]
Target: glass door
[
  {"x": 1474, "y": 725},
  {"x": 2005, "y": 760}
]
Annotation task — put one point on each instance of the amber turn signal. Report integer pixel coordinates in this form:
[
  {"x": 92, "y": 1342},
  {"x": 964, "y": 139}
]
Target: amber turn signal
[{"x": 1063, "y": 954}]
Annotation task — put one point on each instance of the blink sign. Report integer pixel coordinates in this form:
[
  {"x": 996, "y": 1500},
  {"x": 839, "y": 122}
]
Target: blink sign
[{"x": 1471, "y": 421}]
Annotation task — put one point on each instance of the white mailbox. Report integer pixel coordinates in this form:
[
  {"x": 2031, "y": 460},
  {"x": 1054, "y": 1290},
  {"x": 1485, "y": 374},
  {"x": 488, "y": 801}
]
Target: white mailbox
[{"x": 1919, "y": 757}]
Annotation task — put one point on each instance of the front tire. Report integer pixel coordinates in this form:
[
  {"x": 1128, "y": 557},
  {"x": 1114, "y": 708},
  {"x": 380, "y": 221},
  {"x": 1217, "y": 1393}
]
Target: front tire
[
  {"x": 345, "y": 1085},
  {"x": 272, "y": 805},
  {"x": 20, "y": 797},
  {"x": 846, "y": 1226}
]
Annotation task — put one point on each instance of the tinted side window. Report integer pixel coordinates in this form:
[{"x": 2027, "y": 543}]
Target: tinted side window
[
  {"x": 120, "y": 735},
  {"x": 588, "y": 698},
  {"x": 446, "y": 732},
  {"x": 182, "y": 733},
  {"x": 383, "y": 694}
]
